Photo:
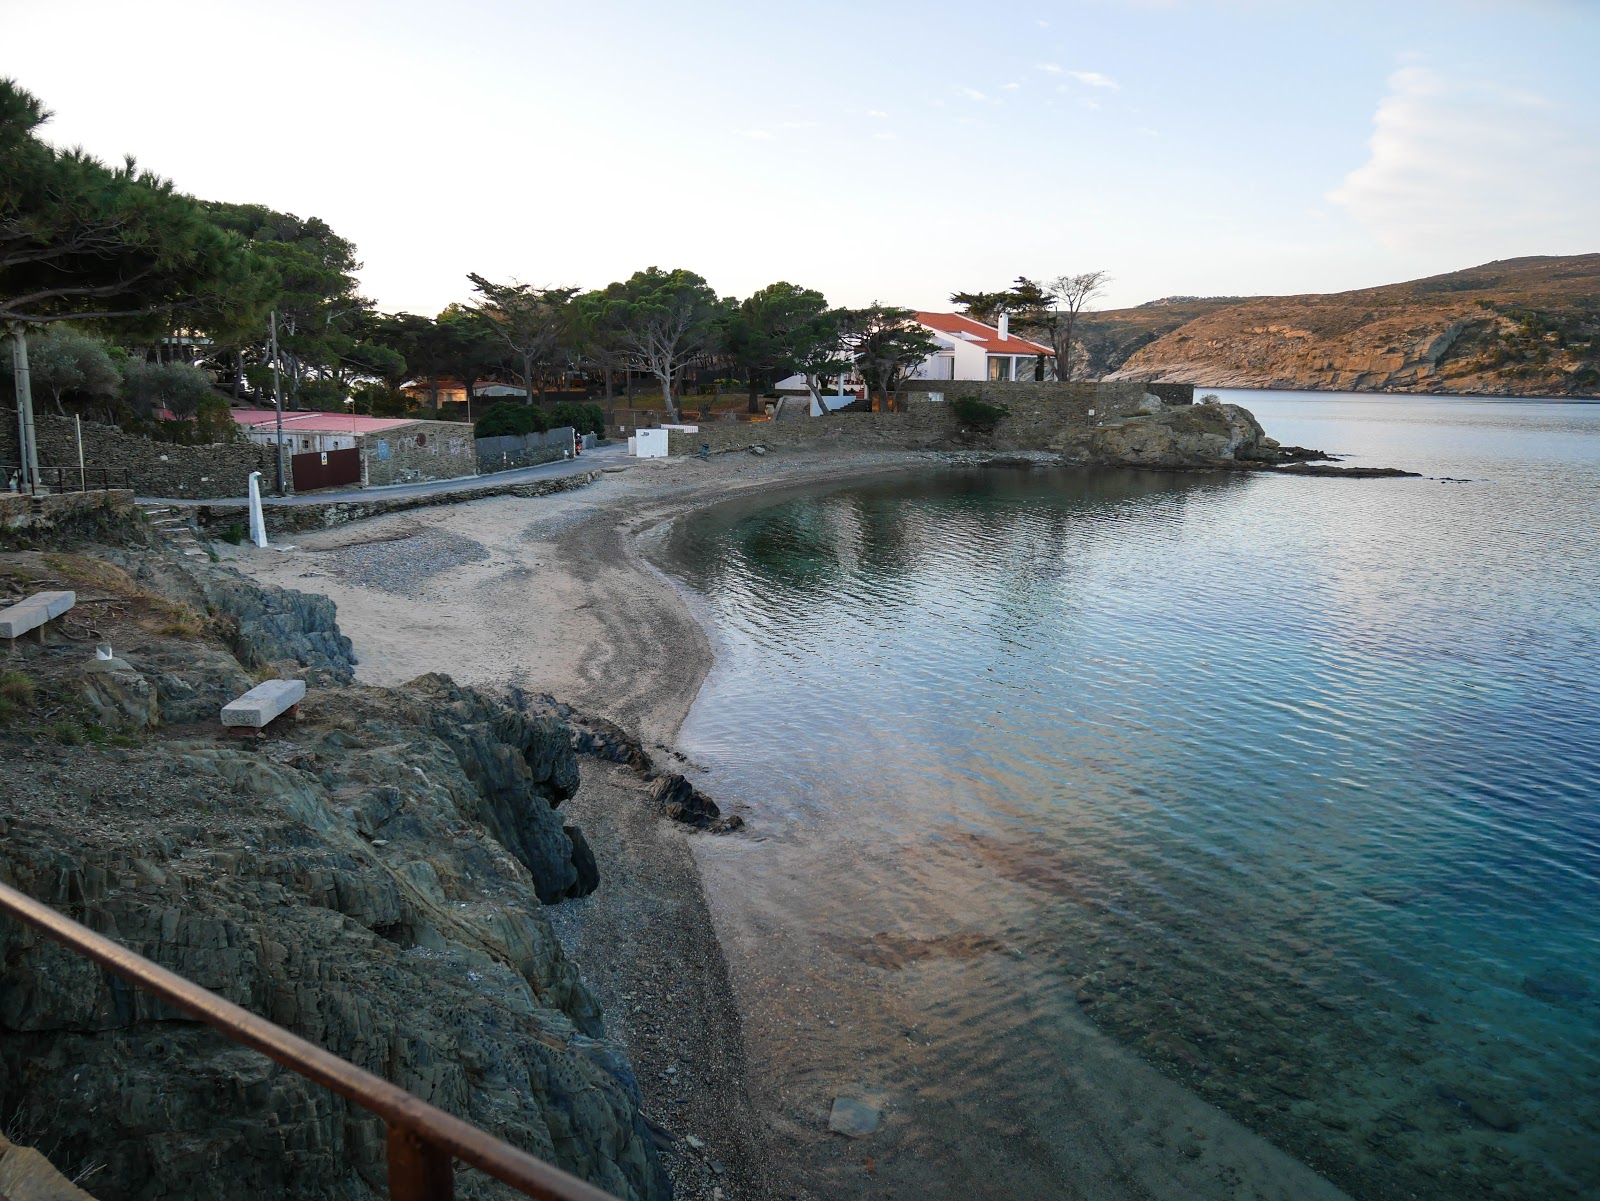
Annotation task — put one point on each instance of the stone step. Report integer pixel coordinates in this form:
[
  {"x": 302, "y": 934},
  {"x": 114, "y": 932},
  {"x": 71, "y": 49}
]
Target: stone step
[{"x": 196, "y": 554}]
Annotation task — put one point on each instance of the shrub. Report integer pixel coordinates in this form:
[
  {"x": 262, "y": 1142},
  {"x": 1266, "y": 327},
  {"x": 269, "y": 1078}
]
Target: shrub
[
  {"x": 7, "y": 710},
  {"x": 67, "y": 733},
  {"x": 511, "y": 421},
  {"x": 17, "y": 688},
  {"x": 233, "y": 535},
  {"x": 214, "y": 423},
  {"x": 977, "y": 414},
  {"x": 585, "y": 418}
]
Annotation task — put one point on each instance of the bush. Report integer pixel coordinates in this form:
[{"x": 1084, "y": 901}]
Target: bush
[
  {"x": 68, "y": 733},
  {"x": 16, "y": 687},
  {"x": 176, "y": 386},
  {"x": 511, "y": 421},
  {"x": 214, "y": 423},
  {"x": 977, "y": 414},
  {"x": 233, "y": 535},
  {"x": 585, "y": 418}
]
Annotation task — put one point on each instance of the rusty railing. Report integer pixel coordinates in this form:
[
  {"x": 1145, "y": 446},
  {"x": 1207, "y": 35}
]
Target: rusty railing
[{"x": 422, "y": 1140}]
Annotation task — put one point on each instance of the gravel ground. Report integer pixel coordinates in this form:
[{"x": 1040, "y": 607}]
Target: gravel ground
[{"x": 402, "y": 564}]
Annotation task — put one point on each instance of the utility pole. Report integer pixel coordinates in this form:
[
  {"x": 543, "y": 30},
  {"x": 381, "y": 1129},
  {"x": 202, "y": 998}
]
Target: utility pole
[
  {"x": 27, "y": 443},
  {"x": 277, "y": 398}
]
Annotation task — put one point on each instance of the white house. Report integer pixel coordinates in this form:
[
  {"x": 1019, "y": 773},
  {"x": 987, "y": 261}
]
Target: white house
[
  {"x": 304, "y": 432},
  {"x": 970, "y": 349}
]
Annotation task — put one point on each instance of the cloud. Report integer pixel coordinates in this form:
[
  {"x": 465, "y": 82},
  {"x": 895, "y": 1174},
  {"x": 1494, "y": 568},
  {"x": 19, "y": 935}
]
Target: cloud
[
  {"x": 1049, "y": 68},
  {"x": 884, "y": 137},
  {"x": 973, "y": 94},
  {"x": 799, "y": 124},
  {"x": 876, "y": 112},
  {"x": 759, "y": 135},
  {"x": 1458, "y": 160},
  {"x": 1009, "y": 87},
  {"x": 1094, "y": 79}
]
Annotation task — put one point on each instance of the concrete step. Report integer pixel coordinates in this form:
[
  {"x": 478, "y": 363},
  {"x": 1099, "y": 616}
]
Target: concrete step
[{"x": 196, "y": 554}]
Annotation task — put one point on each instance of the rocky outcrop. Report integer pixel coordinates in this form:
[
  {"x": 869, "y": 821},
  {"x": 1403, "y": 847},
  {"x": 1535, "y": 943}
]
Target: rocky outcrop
[
  {"x": 1516, "y": 327},
  {"x": 1200, "y": 435},
  {"x": 373, "y": 878}
]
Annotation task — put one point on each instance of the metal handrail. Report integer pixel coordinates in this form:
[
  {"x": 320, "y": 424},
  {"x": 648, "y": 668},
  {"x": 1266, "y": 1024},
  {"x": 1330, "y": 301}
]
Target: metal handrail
[
  {"x": 71, "y": 479},
  {"x": 422, "y": 1139}
]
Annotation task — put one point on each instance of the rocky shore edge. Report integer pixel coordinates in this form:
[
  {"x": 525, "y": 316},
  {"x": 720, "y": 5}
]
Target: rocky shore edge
[{"x": 383, "y": 877}]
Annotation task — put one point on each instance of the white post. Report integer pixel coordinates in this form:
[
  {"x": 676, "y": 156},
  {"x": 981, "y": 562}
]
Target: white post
[
  {"x": 258, "y": 520},
  {"x": 77, "y": 421}
]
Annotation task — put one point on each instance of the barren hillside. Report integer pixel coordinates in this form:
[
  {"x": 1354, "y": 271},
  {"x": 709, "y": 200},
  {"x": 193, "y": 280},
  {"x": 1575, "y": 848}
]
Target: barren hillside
[{"x": 1527, "y": 326}]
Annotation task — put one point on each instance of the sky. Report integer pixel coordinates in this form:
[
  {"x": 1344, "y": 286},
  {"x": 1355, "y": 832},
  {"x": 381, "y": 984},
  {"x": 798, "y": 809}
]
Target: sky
[{"x": 883, "y": 151}]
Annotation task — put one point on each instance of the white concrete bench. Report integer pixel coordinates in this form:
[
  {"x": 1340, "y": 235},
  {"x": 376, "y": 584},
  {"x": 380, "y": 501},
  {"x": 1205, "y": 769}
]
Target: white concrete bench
[
  {"x": 31, "y": 614},
  {"x": 264, "y": 702}
]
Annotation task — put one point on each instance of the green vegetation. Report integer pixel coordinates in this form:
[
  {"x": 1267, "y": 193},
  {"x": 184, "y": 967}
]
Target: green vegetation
[
  {"x": 514, "y": 419},
  {"x": 978, "y": 415},
  {"x": 17, "y": 688}
]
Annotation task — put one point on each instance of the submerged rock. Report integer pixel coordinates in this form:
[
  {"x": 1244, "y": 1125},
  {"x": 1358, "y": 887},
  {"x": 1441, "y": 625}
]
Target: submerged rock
[
  {"x": 1556, "y": 986},
  {"x": 853, "y": 1118}
]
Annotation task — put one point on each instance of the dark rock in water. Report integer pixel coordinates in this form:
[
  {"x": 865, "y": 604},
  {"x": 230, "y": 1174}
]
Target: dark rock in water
[
  {"x": 1556, "y": 986},
  {"x": 1485, "y": 1110},
  {"x": 606, "y": 740},
  {"x": 1355, "y": 473},
  {"x": 682, "y": 802}
]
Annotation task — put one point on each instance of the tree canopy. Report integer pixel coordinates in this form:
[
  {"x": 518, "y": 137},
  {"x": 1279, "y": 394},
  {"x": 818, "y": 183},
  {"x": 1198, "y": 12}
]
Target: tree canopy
[
  {"x": 778, "y": 331},
  {"x": 885, "y": 343},
  {"x": 83, "y": 241}
]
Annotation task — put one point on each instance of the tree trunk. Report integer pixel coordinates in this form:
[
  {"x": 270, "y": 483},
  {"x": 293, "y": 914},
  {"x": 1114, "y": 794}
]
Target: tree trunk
[
  {"x": 433, "y": 391},
  {"x": 527, "y": 379},
  {"x": 238, "y": 375},
  {"x": 666, "y": 394},
  {"x": 755, "y": 404}
]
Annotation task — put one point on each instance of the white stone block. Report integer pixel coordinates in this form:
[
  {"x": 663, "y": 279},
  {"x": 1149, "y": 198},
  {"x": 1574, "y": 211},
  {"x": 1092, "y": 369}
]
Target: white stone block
[
  {"x": 32, "y": 613},
  {"x": 263, "y": 703}
]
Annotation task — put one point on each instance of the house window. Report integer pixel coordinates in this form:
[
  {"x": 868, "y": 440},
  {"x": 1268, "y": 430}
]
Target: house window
[{"x": 998, "y": 366}]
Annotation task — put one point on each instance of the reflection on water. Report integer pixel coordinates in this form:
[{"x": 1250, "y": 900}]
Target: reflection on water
[{"x": 1289, "y": 785}]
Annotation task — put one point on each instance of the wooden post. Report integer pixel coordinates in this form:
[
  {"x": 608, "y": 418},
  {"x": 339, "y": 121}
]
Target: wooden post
[{"x": 417, "y": 1170}]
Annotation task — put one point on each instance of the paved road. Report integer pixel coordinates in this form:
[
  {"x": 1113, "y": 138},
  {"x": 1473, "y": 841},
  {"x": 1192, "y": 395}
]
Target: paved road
[{"x": 590, "y": 460}]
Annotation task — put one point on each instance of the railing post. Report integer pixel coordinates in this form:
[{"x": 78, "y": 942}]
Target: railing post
[{"x": 418, "y": 1171}]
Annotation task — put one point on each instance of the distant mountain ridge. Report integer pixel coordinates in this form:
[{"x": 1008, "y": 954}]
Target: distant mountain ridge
[{"x": 1527, "y": 326}]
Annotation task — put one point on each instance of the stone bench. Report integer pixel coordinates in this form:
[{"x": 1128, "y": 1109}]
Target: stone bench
[
  {"x": 31, "y": 614},
  {"x": 263, "y": 703}
]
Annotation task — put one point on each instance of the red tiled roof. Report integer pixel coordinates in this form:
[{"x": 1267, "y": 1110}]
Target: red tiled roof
[
  {"x": 986, "y": 335},
  {"x": 319, "y": 423}
]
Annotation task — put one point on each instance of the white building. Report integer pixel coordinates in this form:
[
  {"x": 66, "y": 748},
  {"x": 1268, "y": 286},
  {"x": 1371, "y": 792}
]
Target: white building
[{"x": 971, "y": 350}]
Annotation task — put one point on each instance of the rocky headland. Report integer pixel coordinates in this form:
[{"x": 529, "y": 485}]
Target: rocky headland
[{"x": 1515, "y": 327}]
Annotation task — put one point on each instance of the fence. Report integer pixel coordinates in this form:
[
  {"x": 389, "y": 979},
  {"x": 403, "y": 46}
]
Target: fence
[
  {"x": 422, "y": 1140},
  {"x": 524, "y": 450},
  {"x": 66, "y": 479}
]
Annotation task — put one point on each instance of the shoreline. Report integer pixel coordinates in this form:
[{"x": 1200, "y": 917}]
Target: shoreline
[{"x": 568, "y": 595}]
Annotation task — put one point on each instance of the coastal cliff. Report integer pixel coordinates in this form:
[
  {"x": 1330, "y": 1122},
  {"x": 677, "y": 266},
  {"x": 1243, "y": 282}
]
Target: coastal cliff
[
  {"x": 1528, "y": 327},
  {"x": 375, "y": 879}
]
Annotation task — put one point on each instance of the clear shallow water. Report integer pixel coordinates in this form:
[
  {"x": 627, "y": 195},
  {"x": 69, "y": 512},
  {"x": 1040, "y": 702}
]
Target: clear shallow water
[{"x": 1291, "y": 786}]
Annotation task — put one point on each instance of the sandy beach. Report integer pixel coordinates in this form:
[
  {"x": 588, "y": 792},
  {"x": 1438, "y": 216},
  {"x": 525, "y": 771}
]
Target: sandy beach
[{"x": 562, "y": 595}]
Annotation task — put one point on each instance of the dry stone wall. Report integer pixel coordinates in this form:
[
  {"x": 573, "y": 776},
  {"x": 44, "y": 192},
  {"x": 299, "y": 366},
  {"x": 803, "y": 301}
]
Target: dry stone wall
[
  {"x": 162, "y": 469},
  {"x": 1041, "y": 416}
]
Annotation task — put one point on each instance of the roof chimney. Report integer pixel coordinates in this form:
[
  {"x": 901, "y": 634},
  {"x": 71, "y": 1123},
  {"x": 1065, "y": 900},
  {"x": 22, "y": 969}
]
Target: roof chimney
[{"x": 1005, "y": 326}]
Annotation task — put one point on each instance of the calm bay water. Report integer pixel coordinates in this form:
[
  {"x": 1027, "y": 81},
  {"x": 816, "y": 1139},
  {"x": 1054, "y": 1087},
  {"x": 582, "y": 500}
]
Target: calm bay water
[{"x": 1289, "y": 786}]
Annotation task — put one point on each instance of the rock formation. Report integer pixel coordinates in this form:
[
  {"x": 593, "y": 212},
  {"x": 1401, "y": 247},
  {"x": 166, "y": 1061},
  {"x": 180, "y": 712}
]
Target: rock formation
[
  {"x": 1517, "y": 327},
  {"x": 374, "y": 879}
]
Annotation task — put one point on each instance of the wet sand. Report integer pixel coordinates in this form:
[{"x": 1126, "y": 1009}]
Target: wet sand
[{"x": 559, "y": 594}]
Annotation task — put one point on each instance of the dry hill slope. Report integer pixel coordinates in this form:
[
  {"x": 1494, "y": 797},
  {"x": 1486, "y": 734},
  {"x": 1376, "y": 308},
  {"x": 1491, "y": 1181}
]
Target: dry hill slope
[{"x": 1527, "y": 326}]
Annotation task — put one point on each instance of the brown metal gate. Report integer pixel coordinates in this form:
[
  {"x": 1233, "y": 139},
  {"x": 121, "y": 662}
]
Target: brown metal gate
[{"x": 326, "y": 469}]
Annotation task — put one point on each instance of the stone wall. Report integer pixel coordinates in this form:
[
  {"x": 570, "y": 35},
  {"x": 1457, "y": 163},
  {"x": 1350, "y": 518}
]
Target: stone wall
[
  {"x": 423, "y": 450},
  {"x": 18, "y": 512},
  {"x": 162, "y": 469},
  {"x": 1041, "y": 415}
]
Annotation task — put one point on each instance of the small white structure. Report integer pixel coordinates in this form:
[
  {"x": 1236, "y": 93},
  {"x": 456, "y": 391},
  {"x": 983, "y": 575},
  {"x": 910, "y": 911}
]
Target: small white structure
[
  {"x": 31, "y": 614},
  {"x": 258, "y": 519},
  {"x": 264, "y": 702},
  {"x": 650, "y": 444},
  {"x": 682, "y": 429}
]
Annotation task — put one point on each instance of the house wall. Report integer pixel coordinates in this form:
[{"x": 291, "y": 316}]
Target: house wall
[
  {"x": 1041, "y": 414},
  {"x": 422, "y": 450},
  {"x": 162, "y": 469}
]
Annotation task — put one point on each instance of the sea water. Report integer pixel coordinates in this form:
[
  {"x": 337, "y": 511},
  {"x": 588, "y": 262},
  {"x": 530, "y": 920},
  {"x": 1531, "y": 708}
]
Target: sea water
[{"x": 1290, "y": 786}]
